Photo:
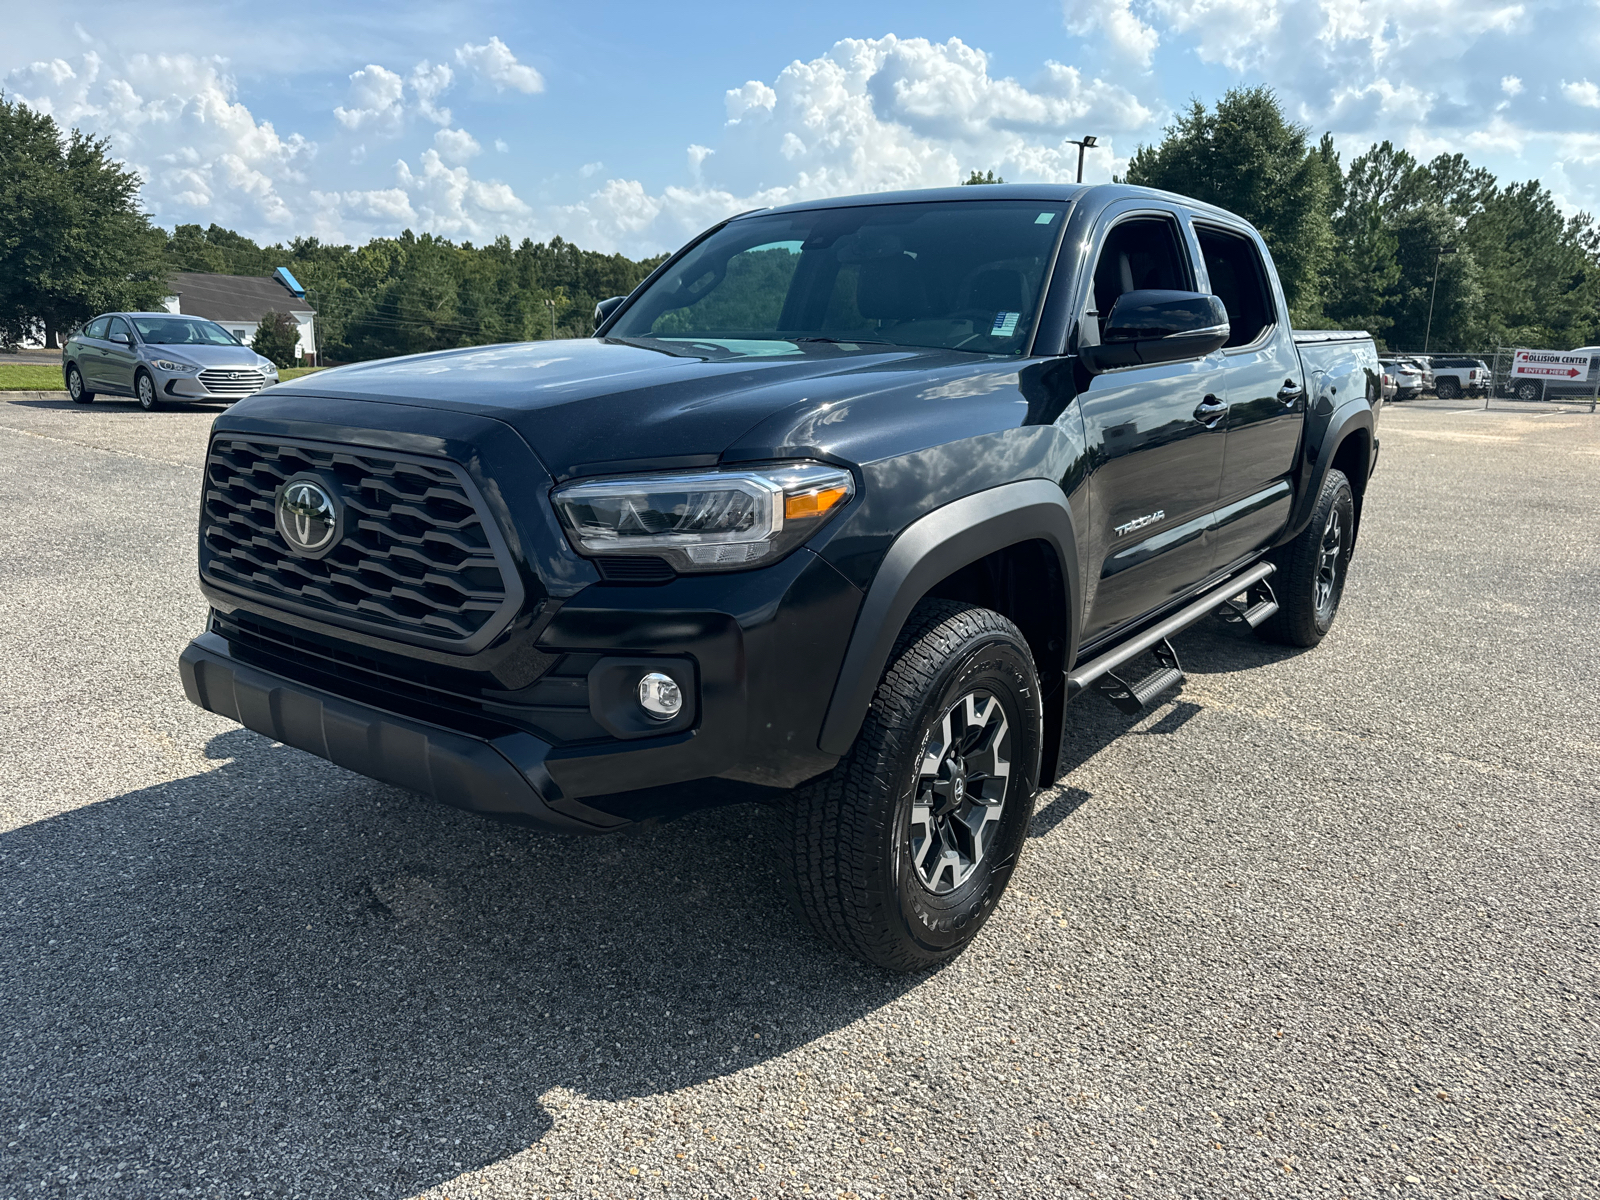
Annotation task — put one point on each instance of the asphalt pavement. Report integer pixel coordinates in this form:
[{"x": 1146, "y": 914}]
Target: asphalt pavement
[{"x": 1323, "y": 924}]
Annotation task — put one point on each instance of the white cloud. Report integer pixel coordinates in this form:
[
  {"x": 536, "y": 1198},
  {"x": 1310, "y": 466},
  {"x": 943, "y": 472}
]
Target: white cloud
[
  {"x": 456, "y": 145},
  {"x": 501, "y": 146},
  {"x": 1126, "y": 34},
  {"x": 752, "y": 96},
  {"x": 494, "y": 63},
  {"x": 175, "y": 120},
  {"x": 377, "y": 100},
  {"x": 589, "y": 170},
  {"x": 428, "y": 83},
  {"x": 1511, "y": 85},
  {"x": 1582, "y": 93},
  {"x": 870, "y": 115}
]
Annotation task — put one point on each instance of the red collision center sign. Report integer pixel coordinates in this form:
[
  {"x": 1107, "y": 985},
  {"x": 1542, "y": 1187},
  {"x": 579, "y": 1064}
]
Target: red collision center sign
[{"x": 1549, "y": 364}]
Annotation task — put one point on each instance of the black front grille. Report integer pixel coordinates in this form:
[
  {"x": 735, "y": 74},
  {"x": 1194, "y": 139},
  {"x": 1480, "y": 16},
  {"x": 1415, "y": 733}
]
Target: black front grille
[{"x": 417, "y": 556}]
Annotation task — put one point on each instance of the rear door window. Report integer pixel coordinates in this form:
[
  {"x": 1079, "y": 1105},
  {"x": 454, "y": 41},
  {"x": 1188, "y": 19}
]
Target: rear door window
[
  {"x": 97, "y": 328},
  {"x": 1239, "y": 280}
]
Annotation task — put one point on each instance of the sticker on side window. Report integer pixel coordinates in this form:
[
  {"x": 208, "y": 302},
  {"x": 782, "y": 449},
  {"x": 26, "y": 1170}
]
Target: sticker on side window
[{"x": 1005, "y": 324}]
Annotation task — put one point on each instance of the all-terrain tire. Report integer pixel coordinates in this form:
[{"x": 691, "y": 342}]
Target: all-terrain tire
[
  {"x": 1311, "y": 569},
  {"x": 849, "y": 844},
  {"x": 76, "y": 388}
]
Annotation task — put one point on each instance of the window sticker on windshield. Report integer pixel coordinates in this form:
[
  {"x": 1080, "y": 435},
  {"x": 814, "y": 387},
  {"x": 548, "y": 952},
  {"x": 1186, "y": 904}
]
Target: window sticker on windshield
[
  {"x": 1044, "y": 218},
  {"x": 1005, "y": 324}
]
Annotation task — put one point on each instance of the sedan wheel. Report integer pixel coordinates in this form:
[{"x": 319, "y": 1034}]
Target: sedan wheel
[
  {"x": 146, "y": 387},
  {"x": 75, "y": 388}
]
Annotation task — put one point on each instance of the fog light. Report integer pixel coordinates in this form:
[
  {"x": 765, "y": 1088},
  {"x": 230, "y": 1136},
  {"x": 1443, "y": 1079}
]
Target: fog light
[{"x": 660, "y": 696}]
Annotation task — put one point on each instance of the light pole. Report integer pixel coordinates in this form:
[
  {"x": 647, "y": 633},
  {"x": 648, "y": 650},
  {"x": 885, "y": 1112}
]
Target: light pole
[
  {"x": 551, "y": 305},
  {"x": 1086, "y": 144},
  {"x": 1442, "y": 251}
]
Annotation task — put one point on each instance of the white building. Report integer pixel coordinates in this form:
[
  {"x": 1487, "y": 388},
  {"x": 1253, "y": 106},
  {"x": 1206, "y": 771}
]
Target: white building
[{"x": 238, "y": 302}]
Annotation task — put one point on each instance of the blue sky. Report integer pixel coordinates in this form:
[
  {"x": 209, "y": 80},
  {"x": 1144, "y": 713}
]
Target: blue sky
[{"x": 630, "y": 126}]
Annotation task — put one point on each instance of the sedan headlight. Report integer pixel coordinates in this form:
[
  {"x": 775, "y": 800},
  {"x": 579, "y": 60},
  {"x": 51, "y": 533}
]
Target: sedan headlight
[
  {"x": 174, "y": 367},
  {"x": 704, "y": 520}
]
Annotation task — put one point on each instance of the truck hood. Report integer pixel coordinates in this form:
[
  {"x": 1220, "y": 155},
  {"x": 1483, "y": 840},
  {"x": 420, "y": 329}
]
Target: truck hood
[{"x": 591, "y": 405}]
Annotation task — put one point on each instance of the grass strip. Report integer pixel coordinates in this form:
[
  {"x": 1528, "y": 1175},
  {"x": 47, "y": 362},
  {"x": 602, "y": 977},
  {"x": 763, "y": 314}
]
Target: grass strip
[{"x": 44, "y": 377}]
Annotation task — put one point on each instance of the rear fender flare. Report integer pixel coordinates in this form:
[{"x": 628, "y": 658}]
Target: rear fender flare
[
  {"x": 929, "y": 549},
  {"x": 1346, "y": 421}
]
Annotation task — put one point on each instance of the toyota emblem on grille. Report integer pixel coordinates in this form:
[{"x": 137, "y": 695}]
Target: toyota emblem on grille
[{"x": 307, "y": 516}]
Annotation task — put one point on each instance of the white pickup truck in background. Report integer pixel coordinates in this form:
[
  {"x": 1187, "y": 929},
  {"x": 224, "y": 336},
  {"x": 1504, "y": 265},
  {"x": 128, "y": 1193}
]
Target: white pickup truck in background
[{"x": 1460, "y": 376}]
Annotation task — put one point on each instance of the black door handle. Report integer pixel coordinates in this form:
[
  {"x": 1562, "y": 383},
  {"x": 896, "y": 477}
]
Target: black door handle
[
  {"x": 1290, "y": 392},
  {"x": 1209, "y": 411}
]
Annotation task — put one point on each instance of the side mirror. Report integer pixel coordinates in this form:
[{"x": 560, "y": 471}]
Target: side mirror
[
  {"x": 121, "y": 339},
  {"x": 605, "y": 308},
  {"x": 1147, "y": 327}
]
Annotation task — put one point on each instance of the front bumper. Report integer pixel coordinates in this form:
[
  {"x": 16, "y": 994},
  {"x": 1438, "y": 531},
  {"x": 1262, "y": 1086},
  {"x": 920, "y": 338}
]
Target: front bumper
[
  {"x": 756, "y": 654},
  {"x": 502, "y": 775},
  {"x": 193, "y": 387}
]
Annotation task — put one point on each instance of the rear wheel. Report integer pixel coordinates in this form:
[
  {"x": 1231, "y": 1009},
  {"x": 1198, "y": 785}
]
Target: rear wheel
[
  {"x": 902, "y": 852},
  {"x": 145, "y": 388},
  {"x": 1530, "y": 390},
  {"x": 75, "y": 387},
  {"x": 1312, "y": 568},
  {"x": 1448, "y": 389}
]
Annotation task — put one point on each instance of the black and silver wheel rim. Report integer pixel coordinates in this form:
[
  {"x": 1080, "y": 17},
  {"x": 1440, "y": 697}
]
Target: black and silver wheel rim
[
  {"x": 147, "y": 392},
  {"x": 75, "y": 384},
  {"x": 960, "y": 791},
  {"x": 1330, "y": 565}
]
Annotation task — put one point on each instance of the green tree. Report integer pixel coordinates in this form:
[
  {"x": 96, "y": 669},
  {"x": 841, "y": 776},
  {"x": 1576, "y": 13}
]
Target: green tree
[
  {"x": 73, "y": 240},
  {"x": 1246, "y": 157},
  {"x": 986, "y": 177},
  {"x": 277, "y": 337},
  {"x": 1455, "y": 300}
]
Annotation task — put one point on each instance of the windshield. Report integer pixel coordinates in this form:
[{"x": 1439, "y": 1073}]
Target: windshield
[
  {"x": 960, "y": 275},
  {"x": 182, "y": 331}
]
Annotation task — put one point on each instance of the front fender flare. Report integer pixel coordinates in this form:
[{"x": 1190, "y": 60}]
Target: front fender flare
[{"x": 930, "y": 548}]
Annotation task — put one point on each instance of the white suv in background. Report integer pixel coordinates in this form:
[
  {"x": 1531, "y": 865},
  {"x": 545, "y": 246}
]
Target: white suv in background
[{"x": 1407, "y": 377}]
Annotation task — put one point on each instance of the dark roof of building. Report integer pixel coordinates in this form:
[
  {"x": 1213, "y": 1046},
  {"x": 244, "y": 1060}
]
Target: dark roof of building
[{"x": 233, "y": 297}]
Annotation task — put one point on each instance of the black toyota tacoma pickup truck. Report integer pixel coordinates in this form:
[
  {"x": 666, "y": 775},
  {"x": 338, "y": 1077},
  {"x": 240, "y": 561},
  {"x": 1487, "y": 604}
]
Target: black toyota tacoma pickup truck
[{"x": 838, "y": 509}]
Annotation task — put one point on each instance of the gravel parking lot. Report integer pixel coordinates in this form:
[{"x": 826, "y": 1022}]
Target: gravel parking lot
[{"x": 1324, "y": 924}]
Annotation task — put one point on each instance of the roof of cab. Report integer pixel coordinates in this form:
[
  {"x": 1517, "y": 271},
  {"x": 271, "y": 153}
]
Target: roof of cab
[{"x": 1056, "y": 193}]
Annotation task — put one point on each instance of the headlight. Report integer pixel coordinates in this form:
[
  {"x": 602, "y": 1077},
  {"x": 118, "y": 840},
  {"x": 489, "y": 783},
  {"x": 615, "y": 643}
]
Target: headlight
[
  {"x": 704, "y": 520},
  {"x": 179, "y": 368},
  {"x": 269, "y": 367}
]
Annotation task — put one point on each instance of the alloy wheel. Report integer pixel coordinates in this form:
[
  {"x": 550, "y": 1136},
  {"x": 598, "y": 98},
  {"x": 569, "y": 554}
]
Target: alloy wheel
[
  {"x": 147, "y": 392},
  {"x": 960, "y": 791},
  {"x": 1330, "y": 565}
]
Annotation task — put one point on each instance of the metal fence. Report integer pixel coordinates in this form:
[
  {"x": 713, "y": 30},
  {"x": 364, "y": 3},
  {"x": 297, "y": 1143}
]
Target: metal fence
[{"x": 1503, "y": 387}]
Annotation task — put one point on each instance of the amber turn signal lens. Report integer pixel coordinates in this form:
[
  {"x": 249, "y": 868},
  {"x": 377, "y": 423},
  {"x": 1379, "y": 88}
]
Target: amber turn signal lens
[{"x": 813, "y": 504}]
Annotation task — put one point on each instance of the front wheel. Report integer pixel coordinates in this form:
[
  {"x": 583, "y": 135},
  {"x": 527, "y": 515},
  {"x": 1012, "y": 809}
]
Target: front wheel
[
  {"x": 1312, "y": 568},
  {"x": 1530, "y": 390},
  {"x": 145, "y": 388},
  {"x": 1448, "y": 389},
  {"x": 901, "y": 853},
  {"x": 75, "y": 387}
]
